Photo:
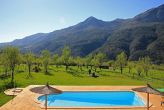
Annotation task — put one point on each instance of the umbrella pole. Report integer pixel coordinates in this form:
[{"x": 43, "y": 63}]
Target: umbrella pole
[
  {"x": 147, "y": 101},
  {"x": 46, "y": 102}
]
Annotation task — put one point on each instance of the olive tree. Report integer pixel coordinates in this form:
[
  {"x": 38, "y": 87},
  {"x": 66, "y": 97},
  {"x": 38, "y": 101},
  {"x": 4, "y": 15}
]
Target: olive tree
[
  {"x": 29, "y": 59},
  {"x": 146, "y": 64},
  {"x": 45, "y": 59},
  {"x": 88, "y": 60},
  {"x": 21, "y": 60},
  {"x": 66, "y": 53},
  {"x": 97, "y": 60},
  {"x": 11, "y": 56},
  {"x": 71, "y": 61},
  {"x": 95, "y": 63},
  {"x": 38, "y": 63},
  {"x": 130, "y": 66},
  {"x": 59, "y": 61},
  {"x": 121, "y": 60},
  {"x": 139, "y": 67},
  {"x": 111, "y": 64},
  {"x": 79, "y": 62},
  {"x": 100, "y": 58},
  {"x": 5, "y": 63},
  {"x": 55, "y": 59}
]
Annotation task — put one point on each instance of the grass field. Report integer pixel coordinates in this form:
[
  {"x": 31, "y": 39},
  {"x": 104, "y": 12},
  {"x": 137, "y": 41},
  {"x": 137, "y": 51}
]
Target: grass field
[{"x": 74, "y": 76}]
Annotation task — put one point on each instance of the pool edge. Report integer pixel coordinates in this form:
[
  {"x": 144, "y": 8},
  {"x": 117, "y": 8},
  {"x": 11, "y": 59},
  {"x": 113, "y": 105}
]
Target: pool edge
[{"x": 41, "y": 104}]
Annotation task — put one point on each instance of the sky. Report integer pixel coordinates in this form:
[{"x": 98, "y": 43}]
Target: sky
[{"x": 20, "y": 18}]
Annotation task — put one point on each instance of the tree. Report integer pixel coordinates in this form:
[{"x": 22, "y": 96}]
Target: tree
[
  {"x": 29, "y": 59},
  {"x": 130, "y": 66},
  {"x": 66, "y": 53},
  {"x": 71, "y": 61},
  {"x": 5, "y": 63},
  {"x": 55, "y": 59},
  {"x": 95, "y": 63},
  {"x": 12, "y": 58},
  {"x": 79, "y": 62},
  {"x": 100, "y": 58},
  {"x": 112, "y": 64},
  {"x": 37, "y": 62},
  {"x": 0, "y": 57},
  {"x": 121, "y": 60},
  {"x": 139, "y": 67},
  {"x": 45, "y": 59},
  {"x": 88, "y": 60},
  {"x": 146, "y": 64},
  {"x": 21, "y": 60},
  {"x": 60, "y": 61}
]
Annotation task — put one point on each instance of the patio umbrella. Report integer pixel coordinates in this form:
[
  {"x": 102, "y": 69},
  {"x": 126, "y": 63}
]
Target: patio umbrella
[
  {"x": 46, "y": 90},
  {"x": 149, "y": 90}
]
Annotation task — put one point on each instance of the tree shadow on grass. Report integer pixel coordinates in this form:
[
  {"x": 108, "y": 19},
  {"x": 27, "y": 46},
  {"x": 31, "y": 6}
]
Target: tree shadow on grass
[
  {"x": 118, "y": 72},
  {"x": 48, "y": 73},
  {"x": 74, "y": 73},
  {"x": 8, "y": 85},
  {"x": 4, "y": 76},
  {"x": 107, "y": 72},
  {"x": 20, "y": 71},
  {"x": 101, "y": 74},
  {"x": 56, "y": 70},
  {"x": 29, "y": 76}
]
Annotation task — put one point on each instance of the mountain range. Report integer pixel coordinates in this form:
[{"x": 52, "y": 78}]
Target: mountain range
[{"x": 142, "y": 35}]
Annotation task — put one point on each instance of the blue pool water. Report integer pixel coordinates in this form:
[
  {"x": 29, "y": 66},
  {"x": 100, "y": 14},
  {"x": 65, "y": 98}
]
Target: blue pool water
[{"x": 92, "y": 99}]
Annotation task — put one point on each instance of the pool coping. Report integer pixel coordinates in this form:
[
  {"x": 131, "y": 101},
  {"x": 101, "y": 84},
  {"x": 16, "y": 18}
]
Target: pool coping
[
  {"x": 25, "y": 100},
  {"x": 41, "y": 104}
]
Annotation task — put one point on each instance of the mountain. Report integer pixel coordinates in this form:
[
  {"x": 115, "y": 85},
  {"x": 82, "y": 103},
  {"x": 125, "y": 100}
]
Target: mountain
[
  {"x": 152, "y": 15},
  {"x": 83, "y": 38},
  {"x": 138, "y": 36}
]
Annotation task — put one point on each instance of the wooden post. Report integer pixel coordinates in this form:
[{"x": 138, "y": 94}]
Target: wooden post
[
  {"x": 45, "y": 101},
  {"x": 147, "y": 101}
]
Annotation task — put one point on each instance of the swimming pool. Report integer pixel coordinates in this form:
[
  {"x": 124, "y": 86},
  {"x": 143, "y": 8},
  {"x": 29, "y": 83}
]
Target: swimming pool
[{"x": 93, "y": 99}]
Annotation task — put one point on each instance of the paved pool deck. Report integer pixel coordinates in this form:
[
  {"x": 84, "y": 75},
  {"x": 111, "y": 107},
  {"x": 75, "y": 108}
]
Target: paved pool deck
[{"x": 26, "y": 100}]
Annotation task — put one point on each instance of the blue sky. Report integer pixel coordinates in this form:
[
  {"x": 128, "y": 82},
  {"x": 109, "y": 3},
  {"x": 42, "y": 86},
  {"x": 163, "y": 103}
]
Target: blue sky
[{"x": 20, "y": 18}]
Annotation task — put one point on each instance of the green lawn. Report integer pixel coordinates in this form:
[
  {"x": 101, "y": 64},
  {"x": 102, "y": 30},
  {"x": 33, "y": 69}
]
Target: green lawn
[
  {"x": 58, "y": 76},
  {"x": 4, "y": 98}
]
